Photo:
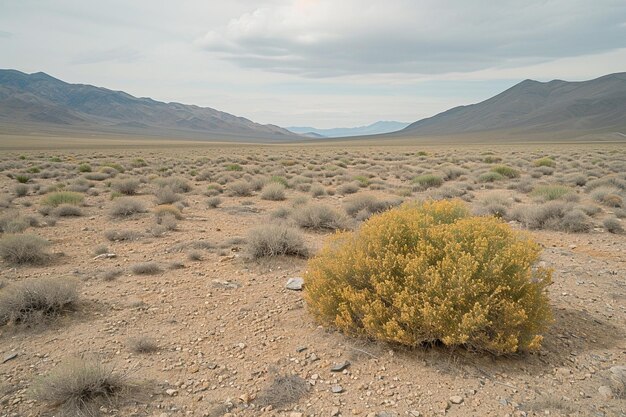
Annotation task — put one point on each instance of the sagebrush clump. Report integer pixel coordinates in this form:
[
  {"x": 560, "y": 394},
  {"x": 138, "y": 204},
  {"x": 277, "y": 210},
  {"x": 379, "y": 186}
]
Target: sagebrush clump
[{"x": 431, "y": 273}]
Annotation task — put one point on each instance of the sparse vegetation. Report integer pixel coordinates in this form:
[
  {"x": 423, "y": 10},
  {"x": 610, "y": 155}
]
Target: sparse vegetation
[
  {"x": 63, "y": 197},
  {"x": 145, "y": 268},
  {"x": 24, "y": 249},
  {"x": 274, "y": 240},
  {"x": 126, "y": 206},
  {"x": 80, "y": 387},
  {"x": 31, "y": 301}
]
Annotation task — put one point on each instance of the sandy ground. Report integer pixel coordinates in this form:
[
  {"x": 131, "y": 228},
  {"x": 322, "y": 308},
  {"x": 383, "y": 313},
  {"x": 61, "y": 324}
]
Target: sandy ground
[{"x": 227, "y": 327}]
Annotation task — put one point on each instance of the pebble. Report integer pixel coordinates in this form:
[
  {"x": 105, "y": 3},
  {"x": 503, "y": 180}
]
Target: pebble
[
  {"x": 336, "y": 389},
  {"x": 456, "y": 399},
  {"x": 295, "y": 284},
  {"x": 338, "y": 367},
  {"x": 334, "y": 412},
  {"x": 171, "y": 392},
  {"x": 605, "y": 391},
  {"x": 9, "y": 357}
]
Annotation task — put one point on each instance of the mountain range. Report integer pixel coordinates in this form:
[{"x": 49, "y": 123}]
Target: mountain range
[
  {"x": 340, "y": 132},
  {"x": 36, "y": 103},
  {"x": 532, "y": 107},
  {"x": 39, "y": 101}
]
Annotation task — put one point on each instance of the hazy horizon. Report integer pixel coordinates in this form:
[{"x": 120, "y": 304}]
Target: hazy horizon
[{"x": 314, "y": 62}]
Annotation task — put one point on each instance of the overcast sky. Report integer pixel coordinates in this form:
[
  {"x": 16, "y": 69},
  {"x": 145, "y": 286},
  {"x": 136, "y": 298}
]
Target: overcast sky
[{"x": 320, "y": 63}]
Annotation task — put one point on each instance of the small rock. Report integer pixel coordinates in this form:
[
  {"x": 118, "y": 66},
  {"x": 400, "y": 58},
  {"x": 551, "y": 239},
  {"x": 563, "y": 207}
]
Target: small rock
[
  {"x": 338, "y": 367},
  {"x": 414, "y": 413},
  {"x": 336, "y": 389},
  {"x": 300, "y": 349},
  {"x": 456, "y": 399},
  {"x": 295, "y": 284},
  {"x": 334, "y": 412},
  {"x": 605, "y": 391},
  {"x": 296, "y": 414},
  {"x": 105, "y": 256},
  {"x": 171, "y": 392},
  {"x": 9, "y": 357}
]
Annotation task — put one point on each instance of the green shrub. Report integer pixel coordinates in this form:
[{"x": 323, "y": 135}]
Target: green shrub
[
  {"x": 546, "y": 161},
  {"x": 63, "y": 197},
  {"x": 505, "y": 171},
  {"x": 551, "y": 192},
  {"x": 430, "y": 273},
  {"x": 24, "y": 249},
  {"x": 84, "y": 168},
  {"x": 490, "y": 177},
  {"x": 22, "y": 179},
  {"x": 427, "y": 181},
  {"x": 234, "y": 167}
]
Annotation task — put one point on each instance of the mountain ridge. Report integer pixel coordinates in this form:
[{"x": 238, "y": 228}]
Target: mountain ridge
[
  {"x": 40, "y": 100},
  {"x": 379, "y": 127},
  {"x": 537, "y": 107}
]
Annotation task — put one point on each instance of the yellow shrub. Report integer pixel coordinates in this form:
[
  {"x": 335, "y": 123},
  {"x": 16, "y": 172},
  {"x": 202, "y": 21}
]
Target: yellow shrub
[
  {"x": 168, "y": 209},
  {"x": 431, "y": 273}
]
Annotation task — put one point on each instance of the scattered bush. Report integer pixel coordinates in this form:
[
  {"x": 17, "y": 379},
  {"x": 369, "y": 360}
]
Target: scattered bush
[
  {"x": 165, "y": 195},
  {"x": 22, "y": 179},
  {"x": 80, "y": 387},
  {"x": 429, "y": 273},
  {"x": 126, "y": 206},
  {"x": 551, "y": 192},
  {"x": 427, "y": 181},
  {"x": 317, "y": 190},
  {"x": 63, "y": 197},
  {"x": 234, "y": 167},
  {"x": 546, "y": 161},
  {"x": 168, "y": 210},
  {"x": 613, "y": 225},
  {"x": 240, "y": 188},
  {"x": 363, "y": 206},
  {"x": 283, "y": 391},
  {"x": 143, "y": 344},
  {"x": 24, "y": 249},
  {"x": 553, "y": 215},
  {"x": 349, "y": 188},
  {"x": 176, "y": 184},
  {"x": 121, "y": 235},
  {"x": 273, "y": 191},
  {"x": 21, "y": 190},
  {"x": 67, "y": 210},
  {"x": 30, "y": 301},
  {"x": 505, "y": 171},
  {"x": 274, "y": 240},
  {"x": 320, "y": 217},
  {"x": 84, "y": 168},
  {"x": 490, "y": 177},
  {"x": 127, "y": 186},
  {"x": 145, "y": 268},
  {"x": 213, "y": 202}
]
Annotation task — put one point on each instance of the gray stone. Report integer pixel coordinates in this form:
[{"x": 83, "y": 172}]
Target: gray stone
[
  {"x": 295, "y": 284},
  {"x": 338, "y": 367},
  {"x": 605, "y": 391},
  {"x": 9, "y": 357},
  {"x": 336, "y": 389}
]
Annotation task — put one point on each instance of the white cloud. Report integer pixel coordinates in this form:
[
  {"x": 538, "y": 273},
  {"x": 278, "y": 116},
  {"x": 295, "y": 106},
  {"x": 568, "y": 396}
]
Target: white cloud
[{"x": 325, "y": 38}]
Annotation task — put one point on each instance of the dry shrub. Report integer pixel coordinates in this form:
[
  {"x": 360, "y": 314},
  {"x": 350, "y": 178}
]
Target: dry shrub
[
  {"x": 24, "y": 249},
  {"x": 273, "y": 191},
  {"x": 67, "y": 210},
  {"x": 274, "y": 240},
  {"x": 553, "y": 215},
  {"x": 426, "y": 181},
  {"x": 240, "y": 188},
  {"x": 145, "y": 268},
  {"x": 126, "y": 206},
  {"x": 168, "y": 210},
  {"x": 143, "y": 344},
  {"x": 364, "y": 205},
  {"x": 80, "y": 387},
  {"x": 121, "y": 235},
  {"x": 430, "y": 273},
  {"x": 283, "y": 391},
  {"x": 320, "y": 217},
  {"x": 127, "y": 186},
  {"x": 165, "y": 195},
  {"x": 28, "y": 302}
]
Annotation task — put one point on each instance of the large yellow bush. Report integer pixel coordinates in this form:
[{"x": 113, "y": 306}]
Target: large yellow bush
[{"x": 429, "y": 272}]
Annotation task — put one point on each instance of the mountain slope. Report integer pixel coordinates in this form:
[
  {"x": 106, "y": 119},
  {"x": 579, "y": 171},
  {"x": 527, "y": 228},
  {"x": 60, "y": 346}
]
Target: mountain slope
[
  {"x": 373, "y": 129},
  {"x": 534, "y": 107},
  {"x": 41, "y": 101}
]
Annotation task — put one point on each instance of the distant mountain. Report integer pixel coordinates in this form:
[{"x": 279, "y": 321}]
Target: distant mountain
[
  {"x": 373, "y": 129},
  {"x": 41, "y": 102},
  {"x": 532, "y": 107}
]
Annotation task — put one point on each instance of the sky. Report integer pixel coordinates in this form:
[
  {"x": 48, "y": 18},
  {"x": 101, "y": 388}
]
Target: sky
[{"x": 319, "y": 63}]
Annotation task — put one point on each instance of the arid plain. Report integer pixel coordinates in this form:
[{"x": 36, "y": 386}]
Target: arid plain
[{"x": 160, "y": 246}]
